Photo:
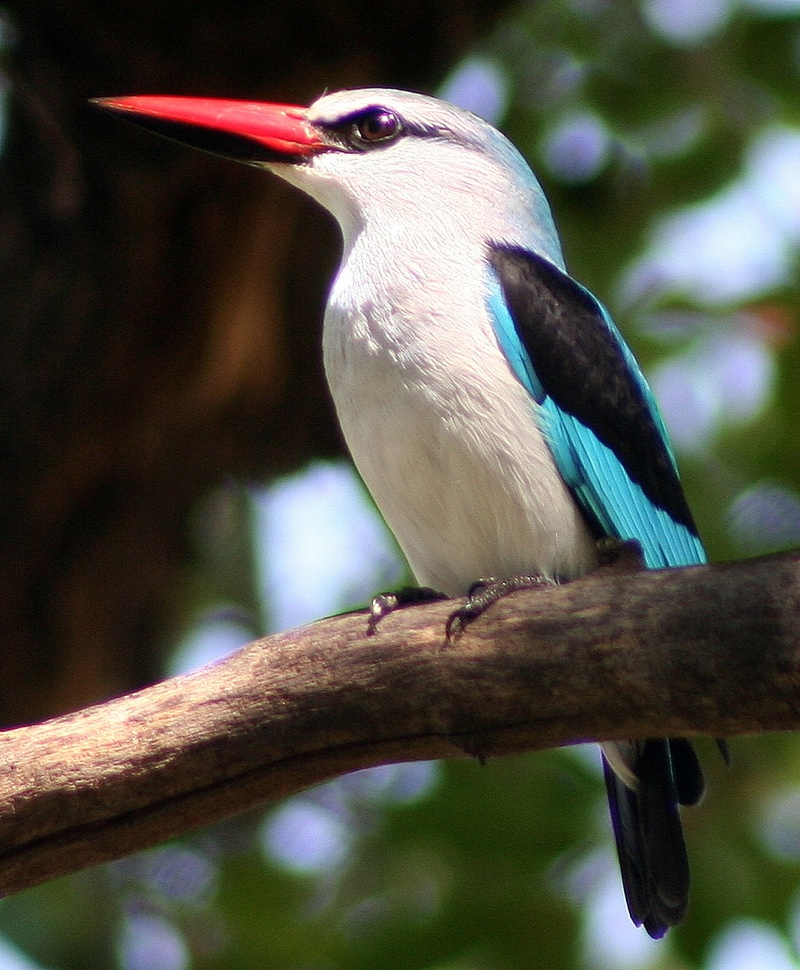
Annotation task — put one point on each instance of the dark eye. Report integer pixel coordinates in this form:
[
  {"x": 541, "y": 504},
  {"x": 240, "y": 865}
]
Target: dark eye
[{"x": 376, "y": 125}]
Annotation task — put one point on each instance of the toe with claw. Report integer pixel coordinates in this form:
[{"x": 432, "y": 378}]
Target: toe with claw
[
  {"x": 386, "y": 603},
  {"x": 482, "y": 594}
]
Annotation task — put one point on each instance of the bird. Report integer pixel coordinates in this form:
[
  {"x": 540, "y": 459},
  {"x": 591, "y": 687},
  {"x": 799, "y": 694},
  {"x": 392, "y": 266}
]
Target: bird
[{"x": 488, "y": 400}]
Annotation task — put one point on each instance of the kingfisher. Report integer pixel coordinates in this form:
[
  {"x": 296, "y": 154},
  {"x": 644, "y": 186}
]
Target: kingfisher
[{"x": 489, "y": 402}]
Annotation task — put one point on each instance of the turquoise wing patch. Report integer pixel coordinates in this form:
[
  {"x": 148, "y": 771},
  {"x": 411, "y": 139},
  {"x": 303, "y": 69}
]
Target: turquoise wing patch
[{"x": 610, "y": 499}]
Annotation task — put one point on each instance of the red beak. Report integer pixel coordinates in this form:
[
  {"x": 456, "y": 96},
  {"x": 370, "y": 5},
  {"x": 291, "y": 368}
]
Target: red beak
[{"x": 249, "y": 131}]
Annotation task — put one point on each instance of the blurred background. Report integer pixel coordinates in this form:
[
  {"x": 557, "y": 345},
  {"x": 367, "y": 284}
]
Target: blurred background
[{"x": 173, "y": 483}]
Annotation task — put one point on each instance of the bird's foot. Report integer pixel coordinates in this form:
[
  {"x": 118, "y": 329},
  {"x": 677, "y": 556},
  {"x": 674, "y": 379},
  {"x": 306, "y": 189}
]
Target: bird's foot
[
  {"x": 386, "y": 603},
  {"x": 482, "y": 594}
]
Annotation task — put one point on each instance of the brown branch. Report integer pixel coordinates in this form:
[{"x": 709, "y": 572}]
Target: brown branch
[{"x": 711, "y": 650}]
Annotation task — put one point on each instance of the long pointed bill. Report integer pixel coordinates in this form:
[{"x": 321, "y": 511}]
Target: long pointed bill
[{"x": 249, "y": 131}]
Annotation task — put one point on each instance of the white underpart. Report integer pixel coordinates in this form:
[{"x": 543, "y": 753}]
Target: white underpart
[
  {"x": 621, "y": 755},
  {"x": 442, "y": 432}
]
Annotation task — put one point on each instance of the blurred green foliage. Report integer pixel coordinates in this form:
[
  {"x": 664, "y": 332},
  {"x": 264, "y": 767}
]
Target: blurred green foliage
[{"x": 499, "y": 867}]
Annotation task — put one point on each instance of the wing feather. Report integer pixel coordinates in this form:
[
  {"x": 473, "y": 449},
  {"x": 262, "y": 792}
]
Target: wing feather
[{"x": 596, "y": 410}]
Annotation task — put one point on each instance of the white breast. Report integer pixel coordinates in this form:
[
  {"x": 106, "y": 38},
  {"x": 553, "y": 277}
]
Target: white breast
[{"x": 443, "y": 434}]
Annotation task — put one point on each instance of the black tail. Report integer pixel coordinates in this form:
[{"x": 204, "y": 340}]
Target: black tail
[{"x": 647, "y": 829}]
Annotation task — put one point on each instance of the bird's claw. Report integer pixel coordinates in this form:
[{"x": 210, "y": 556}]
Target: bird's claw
[
  {"x": 483, "y": 593},
  {"x": 386, "y": 603}
]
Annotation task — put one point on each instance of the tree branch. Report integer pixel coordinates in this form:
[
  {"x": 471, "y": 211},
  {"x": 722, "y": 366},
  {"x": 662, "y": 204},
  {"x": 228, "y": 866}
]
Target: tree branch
[{"x": 618, "y": 654}]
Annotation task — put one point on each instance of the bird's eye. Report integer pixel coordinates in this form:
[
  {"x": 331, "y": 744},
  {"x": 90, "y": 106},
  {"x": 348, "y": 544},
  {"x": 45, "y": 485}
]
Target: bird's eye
[{"x": 376, "y": 126}]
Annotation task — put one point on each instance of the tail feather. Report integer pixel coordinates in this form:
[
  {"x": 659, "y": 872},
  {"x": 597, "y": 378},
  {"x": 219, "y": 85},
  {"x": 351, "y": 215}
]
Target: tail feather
[
  {"x": 648, "y": 832},
  {"x": 689, "y": 782}
]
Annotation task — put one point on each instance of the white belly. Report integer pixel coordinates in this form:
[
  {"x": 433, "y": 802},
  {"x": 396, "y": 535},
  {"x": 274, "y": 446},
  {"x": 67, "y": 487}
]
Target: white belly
[{"x": 451, "y": 454}]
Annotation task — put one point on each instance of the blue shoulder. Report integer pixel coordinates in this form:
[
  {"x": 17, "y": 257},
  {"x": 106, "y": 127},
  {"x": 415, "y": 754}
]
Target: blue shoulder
[{"x": 594, "y": 407}]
